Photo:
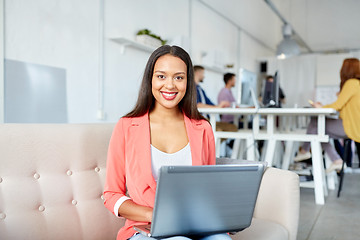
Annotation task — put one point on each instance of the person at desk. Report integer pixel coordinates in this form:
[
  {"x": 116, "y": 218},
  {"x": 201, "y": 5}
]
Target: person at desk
[
  {"x": 164, "y": 128},
  {"x": 348, "y": 104},
  {"x": 225, "y": 94},
  {"x": 268, "y": 98},
  {"x": 202, "y": 100}
]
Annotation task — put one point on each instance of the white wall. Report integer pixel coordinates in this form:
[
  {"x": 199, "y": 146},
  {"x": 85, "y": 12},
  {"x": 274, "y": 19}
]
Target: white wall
[
  {"x": 328, "y": 69},
  {"x": 255, "y": 18},
  {"x": 123, "y": 72},
  {"x": 250, "y": 52},
  {"x": 212, "y": 35},
  {"x": 311, "y": 76},
  {"x": 297, "y": 78},
  {"x": 295, "y": 74},
  {"x": 208, "y": 33},
  {"x": 65, "y": 34},
  {"x": 62, "y": 34}
]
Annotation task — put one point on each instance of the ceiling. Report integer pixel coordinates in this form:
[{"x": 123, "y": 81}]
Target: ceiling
[{"x": 326, "y": 26}]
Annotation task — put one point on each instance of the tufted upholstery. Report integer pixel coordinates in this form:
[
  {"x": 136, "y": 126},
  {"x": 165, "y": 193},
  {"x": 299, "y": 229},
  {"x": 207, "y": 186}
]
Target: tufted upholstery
[
  {"x": 276, "y": 214},
  {"x": 52, "y": 178}
]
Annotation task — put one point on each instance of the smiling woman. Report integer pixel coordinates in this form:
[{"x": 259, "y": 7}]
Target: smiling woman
[
  {"x": 168, "y": 88},
  {"x": 169, "y": 81},
  {"x": 146, "y": 100},
  {"x": 164, "y": 128}
]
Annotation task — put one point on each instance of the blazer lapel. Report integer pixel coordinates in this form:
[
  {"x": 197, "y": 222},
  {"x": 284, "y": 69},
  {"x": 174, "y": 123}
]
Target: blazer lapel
[
  {"x": 142, "y": 146},
  {"x": 195, "y": 132}
]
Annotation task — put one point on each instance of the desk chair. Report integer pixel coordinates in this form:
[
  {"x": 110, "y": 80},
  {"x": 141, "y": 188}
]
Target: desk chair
[
  {"x": 346, "y": 158},
  {"x": 340, "y": 149}
]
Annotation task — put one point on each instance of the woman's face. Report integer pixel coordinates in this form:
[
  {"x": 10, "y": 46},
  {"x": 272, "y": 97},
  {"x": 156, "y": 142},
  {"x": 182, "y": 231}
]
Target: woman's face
[{"x": 169, "y": 81}]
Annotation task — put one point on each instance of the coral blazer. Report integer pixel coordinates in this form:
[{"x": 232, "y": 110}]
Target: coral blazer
[{"x": 129, "y": 162}]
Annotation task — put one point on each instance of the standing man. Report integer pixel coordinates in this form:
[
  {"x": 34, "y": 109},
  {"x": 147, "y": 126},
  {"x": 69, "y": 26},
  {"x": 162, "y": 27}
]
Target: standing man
[
  {"x": 202, "y": 100},
  {"x": 225, "y": 94}
]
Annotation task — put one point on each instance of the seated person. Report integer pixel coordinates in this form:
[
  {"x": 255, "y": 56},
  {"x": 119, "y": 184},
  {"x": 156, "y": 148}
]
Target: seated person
[
  {"x": 202, "y": 100},
  {"x": 268, "y": 98},
  {"x": 162, "y": 127},
  {"x": 347, "y": 126},
  {"x": 225, "y": 94}
]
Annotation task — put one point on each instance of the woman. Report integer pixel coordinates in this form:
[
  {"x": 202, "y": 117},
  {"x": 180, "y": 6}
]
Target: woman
[
  {"x": 348, "y": 104},
  {"x": 164, "y": 128}
]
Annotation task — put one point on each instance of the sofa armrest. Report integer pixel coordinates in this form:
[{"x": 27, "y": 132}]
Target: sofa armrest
[{"x": 279, "y": 199}]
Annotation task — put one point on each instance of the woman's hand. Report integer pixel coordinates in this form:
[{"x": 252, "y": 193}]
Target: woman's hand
[
  {"x": 135, "y": 212},
  {"x": 317, "y": 105},
  {"x": 224, "y": 104},
  {"x": 149, "y": 214}
]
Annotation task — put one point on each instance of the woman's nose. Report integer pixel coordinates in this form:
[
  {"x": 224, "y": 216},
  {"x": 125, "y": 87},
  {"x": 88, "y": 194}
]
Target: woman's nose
[{"x": 169, "y": 83}]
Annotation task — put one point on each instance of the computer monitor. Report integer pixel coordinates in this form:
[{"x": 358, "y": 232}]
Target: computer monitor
[{"x": 247, "y": 81}]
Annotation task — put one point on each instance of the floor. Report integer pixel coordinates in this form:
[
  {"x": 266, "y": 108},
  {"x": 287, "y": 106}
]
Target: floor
[{"x": 339, "y": 218}]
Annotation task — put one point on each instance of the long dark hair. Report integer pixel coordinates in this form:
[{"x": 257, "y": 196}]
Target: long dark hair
[
  {"x": 350, "y": 69},
  {"x": 146, "y": 101}
]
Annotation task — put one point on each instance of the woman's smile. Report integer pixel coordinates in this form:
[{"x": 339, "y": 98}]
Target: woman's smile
[
  {"x": 169, "y": 81},
  {"x": 169, "y": 95}
]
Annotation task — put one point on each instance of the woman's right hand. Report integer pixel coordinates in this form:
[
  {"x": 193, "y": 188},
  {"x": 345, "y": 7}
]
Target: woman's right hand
[
  {"x": 224, "y": 104},
  {"x": 149, "y": 214},
  {"x": 135, "y": 212}
]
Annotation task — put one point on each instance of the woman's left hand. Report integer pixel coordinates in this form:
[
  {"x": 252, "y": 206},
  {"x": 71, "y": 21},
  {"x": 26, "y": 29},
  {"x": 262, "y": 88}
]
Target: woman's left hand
[{"x": 317, "y": 105}]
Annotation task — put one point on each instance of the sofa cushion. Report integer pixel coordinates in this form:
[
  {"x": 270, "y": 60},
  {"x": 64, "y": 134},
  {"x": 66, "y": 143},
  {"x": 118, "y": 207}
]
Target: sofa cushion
[
  {"x": 261, "y": 229},
  {"x": 51, "y": 182}
]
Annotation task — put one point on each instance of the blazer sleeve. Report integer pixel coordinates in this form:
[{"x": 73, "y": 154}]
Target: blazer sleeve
[
  {"x": 115, "y": 183},
  {"x": 211, "y": 158}
]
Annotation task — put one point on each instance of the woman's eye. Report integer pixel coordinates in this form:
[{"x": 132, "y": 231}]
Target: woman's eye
[
  {"x": 161, "y": 76},
  {"x": 179, "y": 78}
]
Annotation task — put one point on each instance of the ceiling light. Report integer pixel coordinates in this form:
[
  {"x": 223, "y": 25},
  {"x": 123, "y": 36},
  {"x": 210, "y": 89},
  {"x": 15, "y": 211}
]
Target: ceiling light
[{"x": 288, "y": 46}]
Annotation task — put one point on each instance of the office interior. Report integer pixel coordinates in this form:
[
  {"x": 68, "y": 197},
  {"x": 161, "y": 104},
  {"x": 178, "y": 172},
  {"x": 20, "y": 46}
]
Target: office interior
[{"x": 76, "y": 62}]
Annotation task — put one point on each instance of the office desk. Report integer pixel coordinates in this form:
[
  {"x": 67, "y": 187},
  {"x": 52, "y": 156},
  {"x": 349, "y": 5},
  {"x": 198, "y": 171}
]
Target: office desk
[
  {"x": 272, "y": 136},
  {"x": 241, "y": 134}
]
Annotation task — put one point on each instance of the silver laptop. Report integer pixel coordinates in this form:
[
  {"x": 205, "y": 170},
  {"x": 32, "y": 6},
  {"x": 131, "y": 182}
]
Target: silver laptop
[{"x": 202, "y": 200}]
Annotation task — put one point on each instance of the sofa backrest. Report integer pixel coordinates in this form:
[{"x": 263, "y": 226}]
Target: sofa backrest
[{"x": 51, "y": 182}]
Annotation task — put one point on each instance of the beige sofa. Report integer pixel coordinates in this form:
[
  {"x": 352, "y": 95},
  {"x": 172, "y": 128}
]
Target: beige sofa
[{"x": 52, "y": 178}]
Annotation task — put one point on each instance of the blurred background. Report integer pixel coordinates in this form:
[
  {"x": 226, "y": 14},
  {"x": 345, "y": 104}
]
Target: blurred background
[{"x": 82, "y": 61}]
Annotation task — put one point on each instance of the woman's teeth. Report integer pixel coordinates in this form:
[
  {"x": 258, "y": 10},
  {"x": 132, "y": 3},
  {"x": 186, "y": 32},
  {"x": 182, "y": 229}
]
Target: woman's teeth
[{"x": 169, "y": 94}]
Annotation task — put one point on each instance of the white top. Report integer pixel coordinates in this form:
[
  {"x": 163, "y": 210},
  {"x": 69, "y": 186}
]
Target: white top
[{"x": 160, "y": 158}]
